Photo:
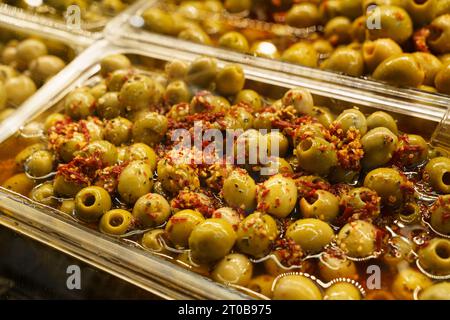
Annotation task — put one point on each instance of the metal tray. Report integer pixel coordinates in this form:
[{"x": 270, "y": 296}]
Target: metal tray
[{"x": 119, "y": 258}]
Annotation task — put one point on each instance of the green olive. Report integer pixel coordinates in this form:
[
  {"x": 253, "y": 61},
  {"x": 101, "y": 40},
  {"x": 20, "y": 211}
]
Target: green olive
[
  {"x": 337, "y": 31},
  {"x": 256, "y": 234},
  {"x": 358, "y": 30},
  {"x": 239, "y": 190},
  {"x": 52, "y": 120},
  {"x": 382, "y": 119},
  {"x": 141, "y": 151},
  {"x": 28, "y": 50},
  {"x": 442, "y": 79},
  {"x": 19, "y": 183},
  {"x": 235, "y": 41},
  {"x": 44, "y": 194},
  {"x": 176, "y": 69},
  {"x": 430, "y": 65},
  {"x": 316, "y": 155},
  {"x": 116, "y": 79},
  {"x": 6, "y": 72},
  {"x": 140, "y": 92},
  {"x": 135, "y": 181},
  {"x": 67, "y": 206},
  {"x": 345, "y": 60},
  {"x": 177, "y": 92},
  {"x": 228, "y": 214},
  {"x": 302, "y": 53},
  {"x": 401, "y": 70},
  {"x": 79, "y": 104},
  {"x": 323, "y": 47},
  {"x": 202, "y": 72},
  {"x": 235, "y": 6},
  {"x": 296, "y": 287},
  {"x": 303, "y": 15},
  {"x": 342, "y": 291},
  {"x": 230, "y": 80},
  {"x": 70, "y": 146},
  {"x": 262, "y": 284},
  {"x": 150, "y": 128},
  {"x": 151, "y": 210},
  {"x": 211, "y": 240},
  {"x": 412, "y": 150},
  {"x": 277, "y": 196},
  {"x": 93, "y": 128},
  {"x": 196, "y": 35},
  {"x": 410, "y": 213},
  {"x": 311, "y": 234},
  {"x": 99, "y": 89},
  {"x": 152, "y": 240},
  {"x": 108, "y": 106},
  {"x": 332, "y": 267},
  {"x": 407, "y": 281},
  {"x": 176, "y": 176},
  {"x": 358, "y": 239},
  {"x": 91, "y": 203},
  {"x": 180, "y": 226},
  {"x": 301, "y": 99},
  {"x": 362, "y": 201},
  {"x": 379, "y": 144},
  {"x": 45, "y": 67},
  {"x": 106, "y": 151},
  {"x": 114, "y": 62},
  {"x": 398, "y": 251},
  {"x": 116, "y": 222},
  {"x": 207, "y": 102},
  {"x": 234, "y": 269},
  {"x": 308, "y": 130},
  {"x": 159, "y": 21},
  {"x": 375, "y": 52},
  {"x": 440, "y": 34},
  {"x": 352, "y": 118},
  {"x": 276, "y": 165},
  {"x": 388, "y": 184},
  {"x": 437, "y": 173},
  {"x": 421, "y": 12},
  {"x": 265, "y": 49},
  {"x": 19, "y": 89},
  {"x": 323, "y": 115},
  {"x": 394, "y": 22},
  {"x": 437, "y": 291},
  {"x": 435, "y": 256},
  {"x": 118, "y": 130},
  {"x": 323, "y": 205},
  {"x": 39, "y": 164},
  {"x": 25, "y": 153},
  {"x": 439, "y": 212},
  {"x": 65, "y": 187},
  {"x": 250, "y": 98}
]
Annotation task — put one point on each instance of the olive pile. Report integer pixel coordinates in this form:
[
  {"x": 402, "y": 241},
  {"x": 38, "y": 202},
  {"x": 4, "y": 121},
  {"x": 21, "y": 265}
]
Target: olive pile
[
  {"x": 347, "y": 189},
  {"x": 25, "y": 65},
  {"x": 401, "y": 42}
]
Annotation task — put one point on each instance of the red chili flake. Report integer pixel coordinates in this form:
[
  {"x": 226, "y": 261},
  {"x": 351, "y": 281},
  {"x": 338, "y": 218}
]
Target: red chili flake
[{"x": 420, "y": 39}]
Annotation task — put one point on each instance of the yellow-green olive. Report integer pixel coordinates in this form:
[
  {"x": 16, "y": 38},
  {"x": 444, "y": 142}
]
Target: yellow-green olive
[
  {"x": 234, "y": 269},
  {"x": 211, "y": 240},
  {"x": 118, "y": 130},
  {"x": 116, "y": 79},
  {"x": 108, "y": 106},
  {"x": 345, "y": 60},
  {"x": 296, "y": 287},
  {"x": 23, "y": 155},
  {"x": 361, "y": 201},
  {"x": 322, "y": 205},
  {"x": 323, "y": 115},
  {"x": 44, "y": 194},
  {"x": 388, "y": 184},
  {"x": 437, "y": 291},
  {"x": 262, "y": 284},
  {"x": 375, "y": 52},
  {"x": 342, "y": 291},
  {"x": 19, "y": 89},
  {"x": 435, "y": 256},
  {"x": 230, "y": 80},
  {"x": 401, "y": 70},
  {"x": 337, "y": 30},
  {"x": 265, "y": 49},
  {"x": 39, "y": 164},
  {"x": 99, "y": 89},
  {"x": 150, "y": 128},
  {"x": 421, "y": 12},
  {"x": 277, "y": 196},
  {"x": 323, "y": 47},
  {"x": 196, "y": 35},
  {"x": 28, "y": 50},
  {"x": 45, "y": 67},
  {"x": 151, "y": 210},
  {"x": 276, "y": 165},
  {"x": 430, "y": 65},
  {"x": 7, "y": 72},
  {"x": 176, "y": 70},
  {"x": 412, "y": 150},
  {"x": 358, "y": 239},
  {"x": 91, "y": 203},
  {"x": 177, "y": 92},
  {"x": 202, "y": 72},
  {"x": 152, "y": 240},
  {"x": 439, "y": 215},
  {"x": 398, "y": 251},
  {"x": 358, "y": 30},
  {"x": 379, "y": 144},
  {"x": 332, "y": 267},
  {"x": 140, "y": 92},
  {"x": 437, "y": 173},
  {"x": 53, "y": 119},
  {"x": 228, "y": 214},
  {"x": 239, "y": 190},
  {"x": 256, "y": 234},
  {"x": 70, "y": 146},
  {"x": 159, "y": 21},
  {"x": 19, "y": 183},
  {"x": 116, "y": 222},
  {"x": 352, "y": 118},
  {"x": 382, "y": 119},
  {"x": 67, "y": 206},
  {"x": 311, "y": 234},
  {"x": 301, "y": 99},
  {"x": 303, "y": 15},
  {"x": 440, "y": 34},
  {"x": 407, "y": 281},
  {"x": 235, "y": 6},
  {"x": 410, "y": 213},
  {"x": 114, "y": 62},
  {"x": 251, "y": 98},
  {"x": 235, "y": 41},
  {"x": 442, "y": 79},
  {"x": 103, "y": 149},
  {"x": 79, "y": 104},
  {"x": 316, "y": 155},
  {"x": 135, "y": 181},
  {"x": 66, "y": 187},
  {"x": 177, "y": 176},
  {"x": 180, "y": 226},
  {"x": 141, "y": 151},
  {"x": 302, "y": 53},
  {"x": 394, "y": 22}
]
